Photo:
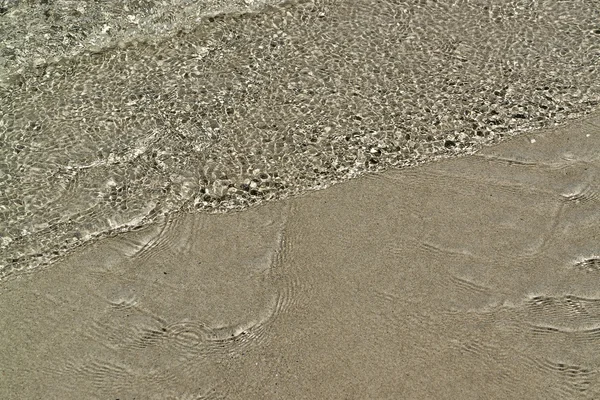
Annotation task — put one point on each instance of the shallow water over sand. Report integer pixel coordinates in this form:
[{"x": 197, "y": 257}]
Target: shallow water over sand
[
  {"x": 247, "y": 106},
  {"x": 469, "y": 278}
]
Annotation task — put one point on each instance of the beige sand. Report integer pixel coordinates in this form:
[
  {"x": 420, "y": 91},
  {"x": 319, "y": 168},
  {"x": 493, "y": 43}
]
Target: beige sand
[{"x": 473, "y": 278}]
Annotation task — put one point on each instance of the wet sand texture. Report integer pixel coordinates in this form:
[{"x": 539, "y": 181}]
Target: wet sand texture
[{"x": 468, "y": 278}]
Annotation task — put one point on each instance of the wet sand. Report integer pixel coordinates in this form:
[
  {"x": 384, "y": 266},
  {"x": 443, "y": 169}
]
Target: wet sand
[{"x": 468, "y": 278}]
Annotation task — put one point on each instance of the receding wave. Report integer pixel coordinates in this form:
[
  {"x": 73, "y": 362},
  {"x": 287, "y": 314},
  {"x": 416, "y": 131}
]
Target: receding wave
[{"x": 219, "y": 112}]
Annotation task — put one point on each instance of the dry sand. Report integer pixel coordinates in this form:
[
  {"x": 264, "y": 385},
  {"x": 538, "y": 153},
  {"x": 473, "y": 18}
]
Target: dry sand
[{"x": 472, "y": 278}]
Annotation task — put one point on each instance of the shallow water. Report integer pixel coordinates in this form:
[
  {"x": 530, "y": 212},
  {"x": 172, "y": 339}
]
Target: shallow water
[
  {"x": 463, "y": 279},
  {"x": 222, "y": 112}
]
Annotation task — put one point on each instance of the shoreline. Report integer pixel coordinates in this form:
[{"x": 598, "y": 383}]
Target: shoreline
[
  {"x": 242, "y": 109},
  {"x": 461, "y": 278}
]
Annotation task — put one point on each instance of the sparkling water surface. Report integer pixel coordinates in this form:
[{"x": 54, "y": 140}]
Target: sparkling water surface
[{"x": 115, "y": 114}]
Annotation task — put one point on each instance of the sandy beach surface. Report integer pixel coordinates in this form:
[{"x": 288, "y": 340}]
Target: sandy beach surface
[{"x": 469, "y": 278}]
